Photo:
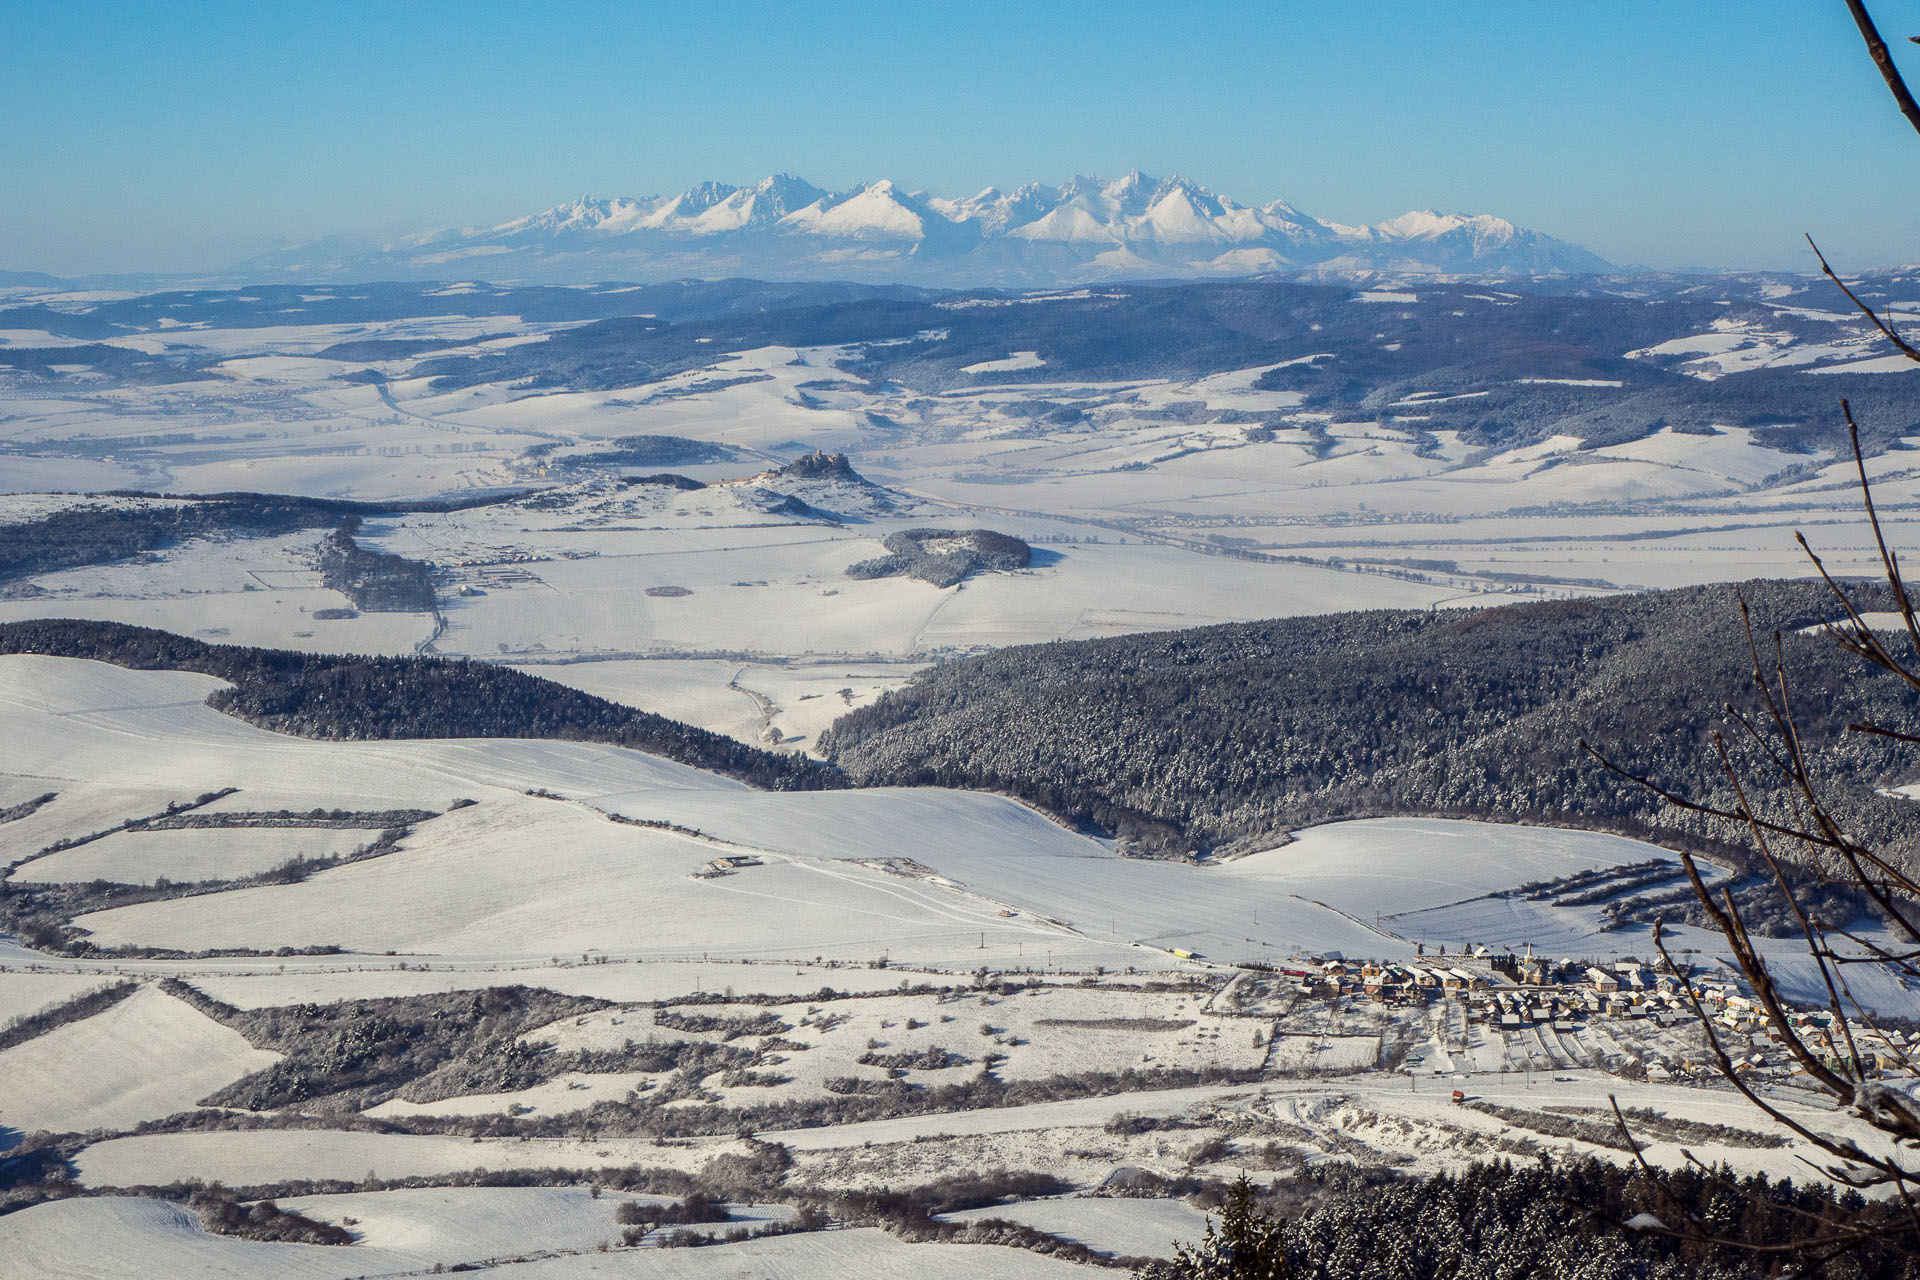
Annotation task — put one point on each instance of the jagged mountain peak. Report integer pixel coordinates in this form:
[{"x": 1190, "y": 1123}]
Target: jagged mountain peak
[
  {"x": 706, "y": 195},
  {"x": 872, "y": 211},
  {"x": 1425, "y": 224},
  {"x": 580, "y": 214},
  {"x": 1087, "y": 228},
  {"x": 818, "y": 465}
]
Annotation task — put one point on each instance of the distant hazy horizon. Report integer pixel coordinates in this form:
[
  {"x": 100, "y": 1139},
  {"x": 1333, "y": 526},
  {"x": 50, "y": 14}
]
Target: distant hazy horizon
[{"x": 145, "y": 139}]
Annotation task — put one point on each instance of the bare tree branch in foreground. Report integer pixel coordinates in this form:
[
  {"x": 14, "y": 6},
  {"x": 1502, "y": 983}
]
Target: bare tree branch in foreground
[
  {"x": 1845, "y": 1057},
  {"x": 1844, "y": 1052},
  {"x": 1877, "y": 50}
]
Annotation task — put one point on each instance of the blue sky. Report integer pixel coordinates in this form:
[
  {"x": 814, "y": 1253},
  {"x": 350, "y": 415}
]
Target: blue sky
[{"x": 186, "y": 136}]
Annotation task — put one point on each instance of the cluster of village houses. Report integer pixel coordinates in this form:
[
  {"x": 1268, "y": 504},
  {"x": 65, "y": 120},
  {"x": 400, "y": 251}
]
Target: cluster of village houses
[{"x": 1515, "y": 992}]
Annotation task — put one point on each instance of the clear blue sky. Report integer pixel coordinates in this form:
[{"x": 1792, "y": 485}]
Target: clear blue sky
[{"x": 185, "y": 136}]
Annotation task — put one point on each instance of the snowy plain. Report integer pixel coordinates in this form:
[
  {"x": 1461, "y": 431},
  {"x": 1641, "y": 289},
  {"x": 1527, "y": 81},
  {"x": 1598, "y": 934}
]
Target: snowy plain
[{"x": 1156, "y": 503}]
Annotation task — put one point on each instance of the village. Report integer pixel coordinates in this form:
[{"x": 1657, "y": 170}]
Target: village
[{"x": 1503, "y": 1011}]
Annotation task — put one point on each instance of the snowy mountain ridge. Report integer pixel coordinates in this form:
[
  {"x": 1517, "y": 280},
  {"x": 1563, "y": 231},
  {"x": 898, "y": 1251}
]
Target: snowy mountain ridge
[{"x": 783, "y": 227}]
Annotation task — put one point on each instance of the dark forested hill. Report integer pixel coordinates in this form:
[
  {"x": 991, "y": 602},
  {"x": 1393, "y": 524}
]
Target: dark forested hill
[
  {"x": 1230, "y": 734},
  {"x": 346, "y": 696}
]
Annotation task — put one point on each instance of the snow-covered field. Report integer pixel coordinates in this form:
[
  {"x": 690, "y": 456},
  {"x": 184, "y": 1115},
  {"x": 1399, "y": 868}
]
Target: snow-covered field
[
  {"x": 112, "y": 1238},
  {"x": 1324, "y": 1053},
  {"x": 148, "y": 1056},
  {"x": 184, "y": 856},
  {"x": 515, "y": 876},
  {"x": 23, "y": 994},
  {"x": 858, "y": 1254},
  {"x": 127, "y": 1238},
  {"x": 242, "y": 1158},
  {"x": 79, "y": 808},
  {"x": 465, "y": 1224},
  {"x": 404, "y": 1232},
  {"x": 1133, "y": 1228}
]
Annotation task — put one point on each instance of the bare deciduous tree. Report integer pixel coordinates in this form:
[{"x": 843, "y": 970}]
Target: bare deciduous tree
[{"x": 1844, "y": 1058}]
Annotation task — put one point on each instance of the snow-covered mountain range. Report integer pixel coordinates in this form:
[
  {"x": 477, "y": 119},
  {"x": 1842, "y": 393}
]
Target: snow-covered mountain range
[{"x": 1084, "y": 230}]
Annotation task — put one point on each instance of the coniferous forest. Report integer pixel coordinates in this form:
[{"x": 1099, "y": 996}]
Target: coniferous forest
[{"x": 1218, "y": 738}]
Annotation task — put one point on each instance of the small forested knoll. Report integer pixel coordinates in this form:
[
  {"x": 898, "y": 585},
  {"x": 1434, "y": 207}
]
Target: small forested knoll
[
  {"x": 376, "y": 581},
  {"x": 348, "y": 696},
  {"x": 945, "y": 556},
  {"x": 1225, "y": 736}
]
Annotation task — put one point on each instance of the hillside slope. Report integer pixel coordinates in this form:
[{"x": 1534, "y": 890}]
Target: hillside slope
[
  {"x": 1229, "y": 736},
  {"x": 344, "y": 696}
]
